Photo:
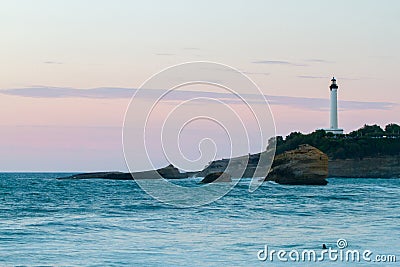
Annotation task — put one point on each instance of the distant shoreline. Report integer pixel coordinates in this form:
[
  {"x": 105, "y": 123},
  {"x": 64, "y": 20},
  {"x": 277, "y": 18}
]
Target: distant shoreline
[{"x": 385, "y": 167}]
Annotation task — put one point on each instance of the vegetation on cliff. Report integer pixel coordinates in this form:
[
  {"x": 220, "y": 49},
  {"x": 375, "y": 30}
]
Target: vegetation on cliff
[{"x": 368, "y": 141}]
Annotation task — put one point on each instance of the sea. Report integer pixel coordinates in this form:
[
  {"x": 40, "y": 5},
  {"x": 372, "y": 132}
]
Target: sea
[{"x": 49, "y": 222}]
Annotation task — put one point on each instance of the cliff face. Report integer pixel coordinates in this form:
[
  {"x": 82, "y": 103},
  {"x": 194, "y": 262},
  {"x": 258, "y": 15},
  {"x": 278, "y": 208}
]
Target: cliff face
[
  {"x": 248, "y": 163},
  {"x": 376, "y": 167},
  {"x": 305, "y": 165},
  {"x": 372, "y": 167}
]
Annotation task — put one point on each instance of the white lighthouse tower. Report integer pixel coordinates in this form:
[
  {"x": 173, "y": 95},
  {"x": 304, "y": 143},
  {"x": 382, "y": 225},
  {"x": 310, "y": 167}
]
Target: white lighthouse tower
[{"x": 334, "y": 114}]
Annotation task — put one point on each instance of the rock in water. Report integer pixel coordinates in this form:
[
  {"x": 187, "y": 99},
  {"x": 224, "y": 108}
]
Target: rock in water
[
  {"x": 169, "y": 172},
  {"x": 305, "y": 165},
  {"x": 217, "y": 177}
]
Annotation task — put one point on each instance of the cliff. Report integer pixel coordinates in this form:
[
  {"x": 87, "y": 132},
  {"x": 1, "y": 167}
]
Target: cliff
[
  {"x": 369, "y": 167},
  {"x": 372, "y": 167},
  {"x": 305, "y": 165},
  {"x": 239, "y": 167}
]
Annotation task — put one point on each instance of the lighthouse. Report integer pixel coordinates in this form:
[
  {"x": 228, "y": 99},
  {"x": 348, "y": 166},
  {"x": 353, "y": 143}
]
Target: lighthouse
[{"x": 334, "y": 113}]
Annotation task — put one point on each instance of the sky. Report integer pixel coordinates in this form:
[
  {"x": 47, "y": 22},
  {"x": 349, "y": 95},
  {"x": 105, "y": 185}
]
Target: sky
[{"x": 68, "y": 69}]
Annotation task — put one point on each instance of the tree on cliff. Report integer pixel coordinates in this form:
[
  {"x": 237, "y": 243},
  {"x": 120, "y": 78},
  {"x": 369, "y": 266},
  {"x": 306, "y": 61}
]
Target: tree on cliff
[
  {"x": 369, "y": 131},
  {"x": 368, "y": 141},
  {"x": 392, "y": 130}
]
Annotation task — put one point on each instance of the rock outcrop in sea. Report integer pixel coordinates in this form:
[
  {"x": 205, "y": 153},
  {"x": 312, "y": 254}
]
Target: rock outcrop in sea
[
  {"x": 239, "y": 167},
  {"x": 169, "y": 172},
  {"x": 305, "y": 165},
  {"x": 217, "y": 177}
]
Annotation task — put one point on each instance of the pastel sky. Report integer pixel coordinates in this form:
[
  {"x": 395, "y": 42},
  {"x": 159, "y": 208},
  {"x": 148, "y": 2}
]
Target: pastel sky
[{"x": 69, "y": 68}]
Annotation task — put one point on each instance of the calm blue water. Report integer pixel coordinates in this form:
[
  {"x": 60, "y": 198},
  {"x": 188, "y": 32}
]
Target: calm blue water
[{"x": 44, "y": 221}]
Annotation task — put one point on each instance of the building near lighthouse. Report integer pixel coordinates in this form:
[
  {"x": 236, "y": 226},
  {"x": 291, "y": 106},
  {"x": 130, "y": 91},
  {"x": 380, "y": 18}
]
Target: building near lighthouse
[{"x": 334, "y": 128}]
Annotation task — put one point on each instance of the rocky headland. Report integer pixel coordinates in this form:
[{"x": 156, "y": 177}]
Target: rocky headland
[
  {"x": 369, "y": 152},
  {"x": 169, "y": 172},
  {"x": 306, "y": 160}
]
